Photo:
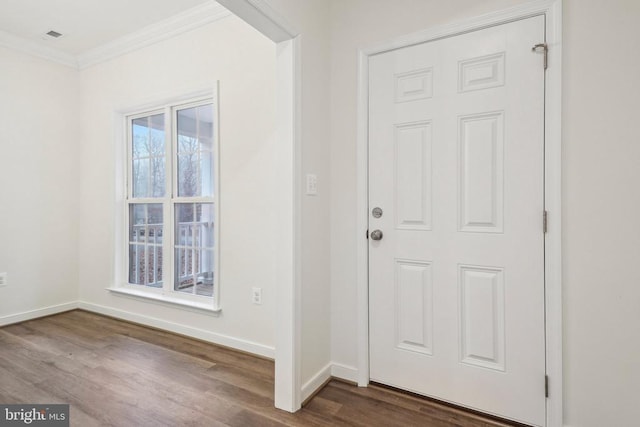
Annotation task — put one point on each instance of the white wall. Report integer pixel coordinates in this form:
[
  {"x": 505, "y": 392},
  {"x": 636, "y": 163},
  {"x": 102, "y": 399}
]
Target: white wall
[
  {"x": 601, "y": 169},
  {"x": 601, "y": 243},
  {"x": 244, "y": 62},
  {"x": 38, "y": 183},
  {"x": 310, "y": 18}
]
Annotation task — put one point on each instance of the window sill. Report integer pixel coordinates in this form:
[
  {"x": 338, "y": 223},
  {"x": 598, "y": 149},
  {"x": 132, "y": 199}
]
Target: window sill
[{"x": 178, "y": 302}]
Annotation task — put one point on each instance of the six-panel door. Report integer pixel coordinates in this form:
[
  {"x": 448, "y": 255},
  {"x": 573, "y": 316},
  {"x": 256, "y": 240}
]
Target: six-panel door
[{"x": 456, "y": 162}]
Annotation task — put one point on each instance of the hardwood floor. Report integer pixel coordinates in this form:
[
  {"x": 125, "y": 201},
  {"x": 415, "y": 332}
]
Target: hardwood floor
[{"x": 114, "y": 373}]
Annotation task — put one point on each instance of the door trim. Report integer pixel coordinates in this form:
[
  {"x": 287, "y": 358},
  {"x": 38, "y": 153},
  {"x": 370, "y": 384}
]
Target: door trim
[{"x": 552, "y": 10}]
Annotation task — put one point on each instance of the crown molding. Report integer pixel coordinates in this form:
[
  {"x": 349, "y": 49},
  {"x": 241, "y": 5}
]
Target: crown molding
[
  {"x": 186, "y": 21},
  {"x": 11, "y": 41}
]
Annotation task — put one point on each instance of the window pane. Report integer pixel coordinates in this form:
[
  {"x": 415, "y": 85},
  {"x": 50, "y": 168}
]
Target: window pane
[
  {"x": 148, "y": 156},
  {"x": 194, "y": 241},
  {"x": 145, "y": 244},
  {"x": 140, "y": 177},
  {"x": 154, "y": 211},
  {"x": 187, "y": 175},
  {"x": 137, "y": 220},
  {"x": 157, "y": 177},
  {"x": 195, "y": 151},
  {"x": 154, "y": 266},
  {"x": 206, "y": 164},
  {"x": 204, "y": 284},
  {"x": 136, "y": 264}
]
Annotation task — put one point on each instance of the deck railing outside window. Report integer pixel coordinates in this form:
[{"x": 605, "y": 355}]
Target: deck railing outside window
[{"x": 194, "y": 266}]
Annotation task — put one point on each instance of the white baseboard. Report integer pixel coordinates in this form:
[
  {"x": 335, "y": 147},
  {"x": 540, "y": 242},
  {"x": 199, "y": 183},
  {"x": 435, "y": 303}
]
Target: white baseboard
[
  {"x": 344, "y": 372},
  {"x": 34, "y": 314},
  {"x": 317, "y": 381},
  {"x": 224, "y": 340},
  {"x": 335, "y": 370}
]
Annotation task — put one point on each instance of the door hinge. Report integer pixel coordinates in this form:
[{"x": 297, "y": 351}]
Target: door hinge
[
  {"x": 544, "y": 48},
  {"x": 367, "y": 233},
  {"x": 545, "y": 221},
  {"x": 546, "y": 386}
]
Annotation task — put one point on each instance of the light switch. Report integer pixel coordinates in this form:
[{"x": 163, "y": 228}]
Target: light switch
[
  {"x": 312, "y": 184},
  {"x": 256, "y": 295}
]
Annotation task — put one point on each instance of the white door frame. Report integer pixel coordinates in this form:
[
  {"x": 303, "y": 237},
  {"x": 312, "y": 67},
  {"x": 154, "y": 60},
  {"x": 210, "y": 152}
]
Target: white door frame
[
  {"x": 552, "y": 10},
  {"x": 260, "y": 15}
]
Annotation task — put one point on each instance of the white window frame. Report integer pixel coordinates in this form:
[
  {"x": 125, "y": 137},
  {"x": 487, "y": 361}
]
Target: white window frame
[{"x": 167, "y": 293}]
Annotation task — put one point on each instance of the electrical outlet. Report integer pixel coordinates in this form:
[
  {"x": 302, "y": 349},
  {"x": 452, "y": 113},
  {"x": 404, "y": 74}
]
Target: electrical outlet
[
  {"x": 3, "y": 279},
  {"x": 256, "y": 295}
]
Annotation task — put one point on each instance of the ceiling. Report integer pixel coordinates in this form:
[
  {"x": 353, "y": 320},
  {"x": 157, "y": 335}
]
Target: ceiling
[{"x": 85, "y": 24}]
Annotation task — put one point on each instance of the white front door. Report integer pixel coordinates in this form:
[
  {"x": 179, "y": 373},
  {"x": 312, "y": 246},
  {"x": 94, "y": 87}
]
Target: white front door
[{"x": 456, "y": 168}]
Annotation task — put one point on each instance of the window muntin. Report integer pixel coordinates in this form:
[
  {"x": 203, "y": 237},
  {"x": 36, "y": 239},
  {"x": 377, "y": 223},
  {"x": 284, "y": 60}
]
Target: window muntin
[{"x": 171, "y": 203}]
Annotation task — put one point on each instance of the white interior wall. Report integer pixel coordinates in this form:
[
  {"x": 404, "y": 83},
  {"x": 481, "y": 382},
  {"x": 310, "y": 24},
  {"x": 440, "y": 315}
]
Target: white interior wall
[
  {"x": 310, "y": 18},
  {"x": 39, "y": 184},
  {"x": 601, "y": 201},
  {"x": 243, "y": 61},
  {"x": 600, "y": 166}
]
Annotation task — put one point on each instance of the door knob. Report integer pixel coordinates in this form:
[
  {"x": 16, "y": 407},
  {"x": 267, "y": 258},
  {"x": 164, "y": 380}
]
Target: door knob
[{"x": 376, "y": 235}]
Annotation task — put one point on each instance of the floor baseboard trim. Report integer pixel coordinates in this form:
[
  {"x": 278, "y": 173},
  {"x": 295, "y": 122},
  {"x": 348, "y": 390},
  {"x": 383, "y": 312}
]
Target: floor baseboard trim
[
  {"x": 315, "y": 384},
  {"x": 212, "y": 337},
  {"x": 34, "y": 314},
  {"x": 344, "y": 372},
  {"x": 338, "y": 371}
]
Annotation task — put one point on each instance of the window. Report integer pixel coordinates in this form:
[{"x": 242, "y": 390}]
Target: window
[{"x": 171, "y": 202}]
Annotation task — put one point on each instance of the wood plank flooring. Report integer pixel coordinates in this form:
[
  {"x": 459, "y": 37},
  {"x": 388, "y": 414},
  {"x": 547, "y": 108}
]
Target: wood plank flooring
[{"x": 114, "y": 373}]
